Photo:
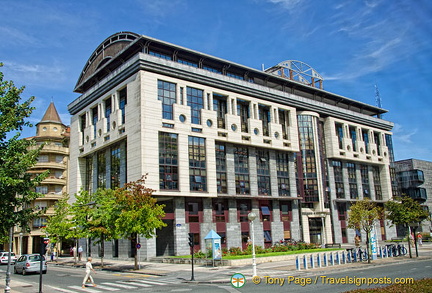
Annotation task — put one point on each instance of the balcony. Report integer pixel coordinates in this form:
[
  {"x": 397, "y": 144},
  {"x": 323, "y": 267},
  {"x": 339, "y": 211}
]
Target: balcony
[
  {"x": 411, "y": 178},
  {"x": 418, "y": 194},
  {"x": 54, "y": 180},
  {"x": 52, "y": 148},
  {"x": 51, "y": 165}
]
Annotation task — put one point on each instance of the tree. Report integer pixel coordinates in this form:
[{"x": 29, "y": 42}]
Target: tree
[
  {"x": 102, "y": 219},
  {"x": 404, "y": 211},
  {"x": 81, "y": 211},
  {"x": 17, "y": 187},
  {"x": 363, "y": 216},
  {"x": 58, "y": 226},
  {"x": 136, "y": 212}
]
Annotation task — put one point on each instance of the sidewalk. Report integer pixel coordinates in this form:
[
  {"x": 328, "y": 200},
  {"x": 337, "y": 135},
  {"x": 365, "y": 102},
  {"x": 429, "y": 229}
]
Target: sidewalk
[{"x": 222, "y": 274}]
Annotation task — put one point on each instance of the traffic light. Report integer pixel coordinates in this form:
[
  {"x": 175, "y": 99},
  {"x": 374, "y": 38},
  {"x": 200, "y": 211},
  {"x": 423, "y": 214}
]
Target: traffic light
[{"x": 191, "y": 239}]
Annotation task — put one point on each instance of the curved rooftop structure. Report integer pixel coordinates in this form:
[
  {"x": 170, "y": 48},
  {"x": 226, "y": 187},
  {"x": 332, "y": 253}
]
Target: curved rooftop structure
[
  {"x": 299, "y": 71},
  {"x": 123, "y": 49}
]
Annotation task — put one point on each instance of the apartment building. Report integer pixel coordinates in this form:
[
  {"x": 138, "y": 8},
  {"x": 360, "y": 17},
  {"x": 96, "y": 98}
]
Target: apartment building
[
  {"x": 219, "y": 140},
  {"x": 415, "y": 180},
  {"x": 54, "y": 158}
]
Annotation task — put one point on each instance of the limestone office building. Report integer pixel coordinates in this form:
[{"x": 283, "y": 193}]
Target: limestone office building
[{"x": 219, "y": 140}]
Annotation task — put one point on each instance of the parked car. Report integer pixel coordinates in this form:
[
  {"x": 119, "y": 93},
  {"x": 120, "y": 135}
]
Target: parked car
[
  {"x": 4, "y": 255},
  {"x": 30, "y": 263}
]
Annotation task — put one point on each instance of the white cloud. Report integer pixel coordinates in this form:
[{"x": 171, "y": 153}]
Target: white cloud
[
  {"x": 287, "y": 4},
  {"x": 47, "y": 75},
  {"x": 401, "y": 135}
]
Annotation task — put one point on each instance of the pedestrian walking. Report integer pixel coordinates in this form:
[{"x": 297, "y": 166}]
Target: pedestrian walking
[
  {"x": 80, "y": 252},
  {"x": 420, "y": 238},
  {"x": 89, "y": 269},
  {"x": 412, "y": 239},
  {"x": 357, "y": 241}
]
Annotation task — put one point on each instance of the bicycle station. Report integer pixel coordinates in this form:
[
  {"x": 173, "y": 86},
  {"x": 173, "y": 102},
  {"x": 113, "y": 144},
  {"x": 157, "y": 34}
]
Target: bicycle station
[{"x": 350, "y": 255}]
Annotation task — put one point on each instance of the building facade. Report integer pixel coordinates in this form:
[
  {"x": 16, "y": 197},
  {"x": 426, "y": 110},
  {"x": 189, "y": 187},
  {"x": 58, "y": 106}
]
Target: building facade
[
  {"x": 54, "y": 158},
  {"x": 219, "y": 140},
  {"x": 415, "y": 180}
]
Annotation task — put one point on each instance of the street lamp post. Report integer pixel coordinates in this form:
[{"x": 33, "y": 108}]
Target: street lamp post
[
  {"x": 323, "y": 217},
  {"x": 252, "y": 216}
]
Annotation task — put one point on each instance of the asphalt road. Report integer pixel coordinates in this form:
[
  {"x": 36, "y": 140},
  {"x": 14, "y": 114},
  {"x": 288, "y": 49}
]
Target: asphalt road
[
  {"x": 69, "y": 279},
  {"x": 340, "y": 281}
]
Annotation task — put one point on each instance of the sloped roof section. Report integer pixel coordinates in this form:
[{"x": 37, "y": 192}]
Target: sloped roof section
[{"x": 51, "y": 115}]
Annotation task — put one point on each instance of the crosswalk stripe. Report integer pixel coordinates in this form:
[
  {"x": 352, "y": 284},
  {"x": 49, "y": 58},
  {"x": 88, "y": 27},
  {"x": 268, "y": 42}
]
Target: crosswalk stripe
[
  {"x": 62, "y": 290},
  {"x": 108, "y": 288},
  {"x": 134, "y": 284},
  {"x": 86, "y": 289},
  {"x": 151, "y": 282},
  {"x": 120, "y": 285}
]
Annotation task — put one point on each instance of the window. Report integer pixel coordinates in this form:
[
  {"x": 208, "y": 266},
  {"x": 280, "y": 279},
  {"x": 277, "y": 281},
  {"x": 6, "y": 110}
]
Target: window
[
  {"x": 220, "y": 106},
  {"x": 353, "y": 135},
  {"x": 59, "y": 159},
  {"x": 187, "y": 62},
  {"x": 193, "y": 208},
  {"x": 342, "y": 211},
  {"x": 267, "y": 236},
  {"x": 197, "y": 164},
  {"x": 243, "y": 112},
  {"x": 115, "y": 166},
  {"x": 122, "y": 104},
  {"x": 364, "y": 170},
  {"x": 108, "y": 110},
  {"x": 338, "y": 177},
  {"x": 309, "y": 179},
  {"x": 94, "y": 120},
  {"x": 377, "y": 142},
  {"x": 43, "y": 159},
  {"x": 221, "y": 173},
  {"x": 284, "y": 122},
  {"x": 88, "y": 186},
  {"x": 366, "y": 139},
  {"x": 42, "y": 189},
  {"x": 241, "y": 166},
  {"x": 168, "y": 161},
  {"x": 264, "y": 116},
  {"x": 377, "y": 183},
  {"x": 220, "y": 207},
  {"x": 39, "y": 222},
  {"x": 339, "y": 133},
  {"x": 160, "y": 55},
  {"x": 41, "y": 205},
  {"x": 286, "y": 209},
  {"x": 243, "y": 209},
  {"x": 263, "y": 172},
  {"x": 167, "y": 95},
  {"x": 282, "y": 167},
  {"x": 352, "y": 179},
  {"x": 101, "y": 169},
  {"x": 195, "y": 101},
  {"x": 82, "y": 127},
  {"x": 265, "y": 213}
]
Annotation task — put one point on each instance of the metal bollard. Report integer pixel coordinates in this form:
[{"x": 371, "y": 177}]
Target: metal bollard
[
  {"x": 305, "y": 264},
  {"x": 325, "y": 259},
  {"x": 298, "y": 263},
  {"x": 312, "y": 261},
  {"x": 319, "y": 260}
]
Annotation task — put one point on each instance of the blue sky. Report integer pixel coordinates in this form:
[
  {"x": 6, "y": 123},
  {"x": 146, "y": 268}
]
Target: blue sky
[{"x": 354, "y": 45}]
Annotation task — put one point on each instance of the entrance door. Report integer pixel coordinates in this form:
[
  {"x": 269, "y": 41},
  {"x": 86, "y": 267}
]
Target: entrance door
[
  {"x": 315, "y": 229},
  {"x": 165, "y": 239}
]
